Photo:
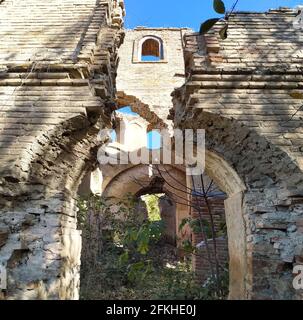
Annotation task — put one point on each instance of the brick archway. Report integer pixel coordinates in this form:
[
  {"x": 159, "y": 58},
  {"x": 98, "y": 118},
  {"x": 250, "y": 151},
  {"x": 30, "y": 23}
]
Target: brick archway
[
  {"x": 228, "y": 181},
  {"x": 66, "y": 95},
  {"x": 241, "y": 112},
  {"x": 41, "y": 252},
  {"x": 263, "y": 209}
]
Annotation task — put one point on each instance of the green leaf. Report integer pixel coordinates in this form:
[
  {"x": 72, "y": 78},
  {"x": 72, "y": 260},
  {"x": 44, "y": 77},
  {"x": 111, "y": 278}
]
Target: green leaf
[
  {"x": 143, "y": 248},
  {"x": 207, "y": 228},
  {"x": 207, "y": 25},
  {"x": 156, "y": 229},
  {"x": 187, "y": 246},
  {"x": 195, "y": 225},
  {"x": 138, "y": 266},
  {"x": 136, "y": 271},
  {"x": 123, "y": 259},
  {"x": 183, "y": 223},
  {"x": 296, "y": 95},
  {"x": 219, "y": 6},
  {"x": 130, "y": 236}
]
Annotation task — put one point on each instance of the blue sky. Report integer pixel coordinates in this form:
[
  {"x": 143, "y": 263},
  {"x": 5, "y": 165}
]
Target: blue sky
[{"x": 188, "y": 13}]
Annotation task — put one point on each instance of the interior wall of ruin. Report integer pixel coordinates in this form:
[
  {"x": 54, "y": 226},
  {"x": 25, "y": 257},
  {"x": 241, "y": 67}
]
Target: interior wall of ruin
[
  {"x": 245, "y": 106},
  {"x": 149, "y": 88},
  {"x": 57, "y": 88}
]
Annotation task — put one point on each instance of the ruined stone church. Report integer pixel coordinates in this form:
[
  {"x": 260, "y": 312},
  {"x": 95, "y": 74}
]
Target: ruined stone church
[{"x": 68, "y": 66}]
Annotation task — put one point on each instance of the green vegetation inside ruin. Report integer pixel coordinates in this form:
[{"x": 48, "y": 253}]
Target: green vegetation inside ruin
[{"x": 126, "y": 259}]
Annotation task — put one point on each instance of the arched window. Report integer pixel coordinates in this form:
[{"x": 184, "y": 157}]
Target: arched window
[
  {"x": 113, "y": 135},
  {"x": 151, "y": 49},
  {"x": 154, "y": 140}
]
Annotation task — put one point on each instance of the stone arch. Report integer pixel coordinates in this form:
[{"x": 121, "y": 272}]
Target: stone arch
[
  {"x": 138, "y": 180},
  {"x": 132, "y": 175},
  {"x": 141, "y": 108},
  {"x": 230, "y": 183},
  {"x": 136, "y": 126},
  {"x": 68, "y": 151},
  {"x": 264, "y": 206},
  {"x": 223, "y": 174},
  {"x": 43, "y": 211}
]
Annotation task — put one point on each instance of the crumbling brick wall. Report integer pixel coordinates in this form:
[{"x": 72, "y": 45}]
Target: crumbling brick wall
[
  {"x": 58, "y": 63},
  {"x": 243, "y": 99}
]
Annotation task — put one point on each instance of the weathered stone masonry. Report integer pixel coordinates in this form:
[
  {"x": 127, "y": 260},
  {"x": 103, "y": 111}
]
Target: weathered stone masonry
[
  {"x": 146, "y": 86},
  {"x": 150, "y": 85},
  {"x": 58, "y": 63},
  {"x": 239, "y": 90}
]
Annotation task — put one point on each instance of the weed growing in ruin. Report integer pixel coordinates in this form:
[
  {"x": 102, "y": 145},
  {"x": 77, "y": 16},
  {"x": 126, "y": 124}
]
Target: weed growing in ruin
[{"x": 124, "y": 257}]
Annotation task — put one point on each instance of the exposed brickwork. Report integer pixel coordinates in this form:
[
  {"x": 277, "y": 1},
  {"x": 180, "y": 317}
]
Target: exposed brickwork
[
  {"x": 58, "y": 62},
  {"x": 254, "y": 125},
  {"x": 201, "y": 263},
  {"x": 150, "y": 86}
]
